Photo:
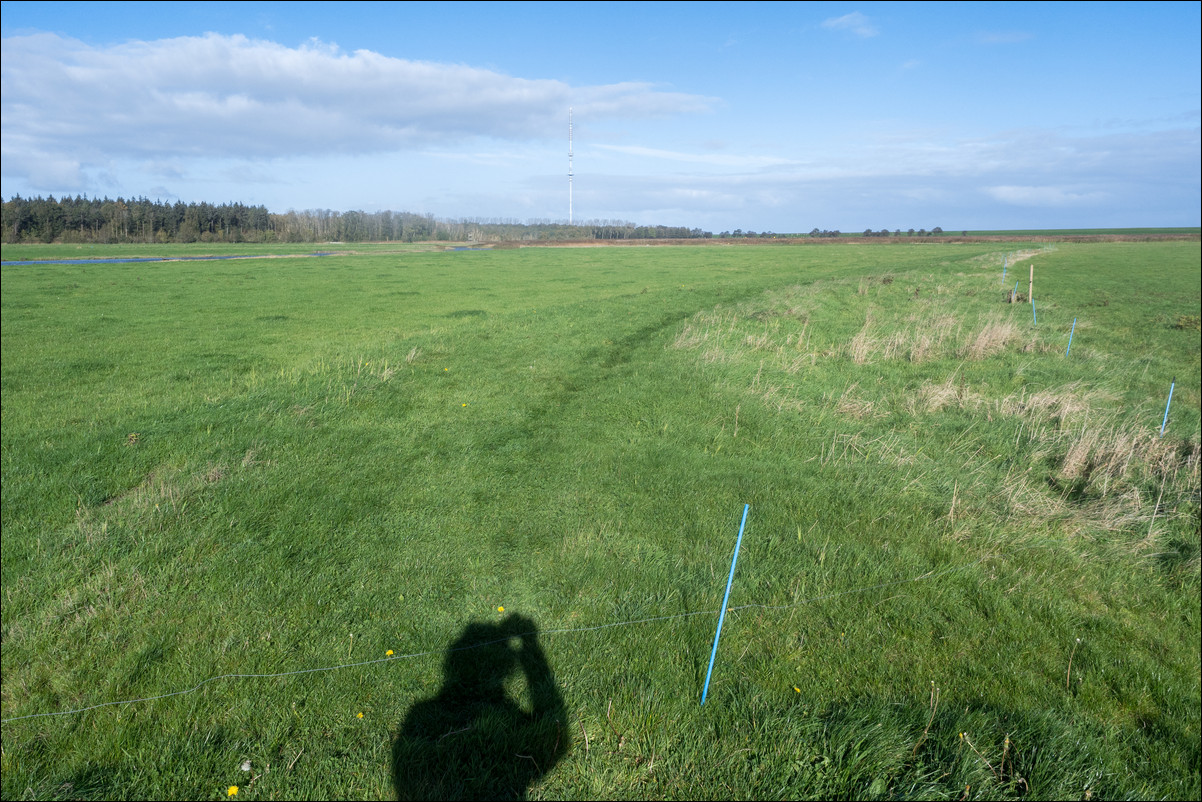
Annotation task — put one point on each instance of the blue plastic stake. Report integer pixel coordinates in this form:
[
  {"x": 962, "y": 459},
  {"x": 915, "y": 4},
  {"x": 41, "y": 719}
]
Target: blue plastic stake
[
  {"x": 722, "y": 615},
  {"x": 1034, "y": 317},
  {"x": 1070, "y": 337},
  {"x": 1162, "y": 423},
  {"x": 1014, "y": 292}
]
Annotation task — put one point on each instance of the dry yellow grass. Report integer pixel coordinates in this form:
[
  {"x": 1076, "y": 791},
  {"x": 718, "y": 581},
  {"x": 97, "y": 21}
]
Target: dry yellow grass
[
  {"x": 1105, "y": 474},
  {"x": 858, "y": 408},
  {"x": 994, "y": 336}
]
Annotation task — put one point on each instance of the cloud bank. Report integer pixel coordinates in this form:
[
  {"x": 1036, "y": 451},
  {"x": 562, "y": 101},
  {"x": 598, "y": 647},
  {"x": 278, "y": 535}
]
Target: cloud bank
[
  {"x": 213, "y": 117},
  {"x": 66, "y": 102},
  {"x": 1026, "y": 178}
]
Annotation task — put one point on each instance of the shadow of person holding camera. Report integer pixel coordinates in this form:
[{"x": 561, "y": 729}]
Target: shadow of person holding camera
[{"x": 472, "y": 740}]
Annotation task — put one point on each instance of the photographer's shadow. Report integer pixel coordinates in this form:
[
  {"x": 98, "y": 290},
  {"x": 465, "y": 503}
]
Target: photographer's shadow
[{"x": 472, "y": 740}]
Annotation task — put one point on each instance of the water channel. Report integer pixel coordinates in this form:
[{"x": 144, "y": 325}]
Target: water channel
[{"x": 134, "y": 260}]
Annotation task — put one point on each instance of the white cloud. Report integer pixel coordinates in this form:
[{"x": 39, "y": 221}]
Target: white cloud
[
  {"x": 855, "y": 23},
  {"x": 230, "y": 96},
  {"x": 495, "y": 158},
  {"x": 48, "y": 169},
  {"x": 923, "y": 178},
  {"x": 1053, "y": 196},
  {"x": 714, "y": 159}
]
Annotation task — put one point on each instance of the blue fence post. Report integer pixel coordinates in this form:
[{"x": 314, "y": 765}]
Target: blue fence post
[
  {"x": 1166, "y": 406},
  {"x": 722, "y": 615}
]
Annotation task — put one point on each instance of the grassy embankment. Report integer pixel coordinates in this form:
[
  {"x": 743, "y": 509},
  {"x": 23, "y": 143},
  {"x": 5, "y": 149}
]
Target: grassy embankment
[{"x": 267, "y": 466}]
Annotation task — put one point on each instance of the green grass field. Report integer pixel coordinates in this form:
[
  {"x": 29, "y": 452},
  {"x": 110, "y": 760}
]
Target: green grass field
[{"x": 970, "y": 568}]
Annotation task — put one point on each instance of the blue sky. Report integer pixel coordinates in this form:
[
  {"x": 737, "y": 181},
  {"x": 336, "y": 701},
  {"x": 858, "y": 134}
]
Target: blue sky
[{"x": 760, "y": 116}]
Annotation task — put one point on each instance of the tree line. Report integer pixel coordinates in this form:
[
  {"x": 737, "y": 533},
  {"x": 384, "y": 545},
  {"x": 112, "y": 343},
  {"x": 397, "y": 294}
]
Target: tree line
[
  {"x": 104, "y": 220},
  {"x": 884, "y": 232},
  {"x": 822, "y": 233}
]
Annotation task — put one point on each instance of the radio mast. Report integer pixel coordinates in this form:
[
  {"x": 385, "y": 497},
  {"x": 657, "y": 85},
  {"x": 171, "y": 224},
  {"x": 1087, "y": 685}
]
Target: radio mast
[{"x": 569, "y": 165}]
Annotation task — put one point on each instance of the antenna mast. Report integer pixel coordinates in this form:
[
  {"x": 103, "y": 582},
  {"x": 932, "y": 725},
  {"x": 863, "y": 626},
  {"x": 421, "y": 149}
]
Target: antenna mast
[{"x": 569, "y": 165}]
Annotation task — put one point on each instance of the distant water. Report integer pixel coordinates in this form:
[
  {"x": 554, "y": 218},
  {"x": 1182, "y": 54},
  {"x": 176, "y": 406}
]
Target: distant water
[{"x": 156, "y": 259}]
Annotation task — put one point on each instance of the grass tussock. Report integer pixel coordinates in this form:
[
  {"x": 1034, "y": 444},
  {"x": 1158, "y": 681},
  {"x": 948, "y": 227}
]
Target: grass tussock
[
  {"x": 858, "y": 408},
  {"x": 936, "y": 334},
  {"x": 1103, "y": 460},
  {"x": 1057, "y": 405},
  {"x": 930, "y": 326},
  {"x": 994, "y": 336}
]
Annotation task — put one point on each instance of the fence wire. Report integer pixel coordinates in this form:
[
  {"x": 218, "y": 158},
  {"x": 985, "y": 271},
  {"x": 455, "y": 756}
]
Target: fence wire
[{"x": 544, "y": 633}]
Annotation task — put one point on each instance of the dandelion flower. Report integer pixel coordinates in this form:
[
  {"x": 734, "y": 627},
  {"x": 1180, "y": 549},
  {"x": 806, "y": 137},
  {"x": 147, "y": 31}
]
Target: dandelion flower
[
  {"x": 465, "y": 405},
  {"x": 233, "y": 791},
  {"x": 359, "y": 716},
  {"x": 388, "y": 653},
  {"x": 500, "y": 609},
  {"x": 797, "y": 689}
]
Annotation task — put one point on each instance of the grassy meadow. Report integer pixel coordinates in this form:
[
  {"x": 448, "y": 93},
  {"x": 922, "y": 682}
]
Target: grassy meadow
[{"x": 970, "y": 568}]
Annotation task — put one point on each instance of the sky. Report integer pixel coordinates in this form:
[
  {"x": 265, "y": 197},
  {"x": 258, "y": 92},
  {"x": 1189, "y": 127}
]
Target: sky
[{"x": 762, "y": 116}]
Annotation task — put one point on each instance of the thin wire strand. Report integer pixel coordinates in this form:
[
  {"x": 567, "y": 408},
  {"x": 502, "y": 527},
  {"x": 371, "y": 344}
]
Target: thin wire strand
[{"x": 561, "y": 631}]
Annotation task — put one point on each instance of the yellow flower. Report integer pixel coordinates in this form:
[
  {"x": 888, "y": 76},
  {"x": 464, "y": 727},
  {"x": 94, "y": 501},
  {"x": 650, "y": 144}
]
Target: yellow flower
[
  {"x": 797, "y": 689},
  {"x": 465, "y": 405},
  {"x": 360, "y": 716},
  {"x": 233, "y": 791},
  {"x": 500, "y": 609},
  {"x": 388, "y": 653}
]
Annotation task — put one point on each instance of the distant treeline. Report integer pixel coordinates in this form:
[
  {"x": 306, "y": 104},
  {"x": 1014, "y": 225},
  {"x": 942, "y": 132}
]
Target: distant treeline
[
  {"x": 821, "y": 233},
  {"x": 96, "y": 220}
]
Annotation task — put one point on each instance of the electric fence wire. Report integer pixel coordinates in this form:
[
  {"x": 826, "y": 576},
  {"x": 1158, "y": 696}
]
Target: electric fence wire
[{"x": 482, "y": 644}]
